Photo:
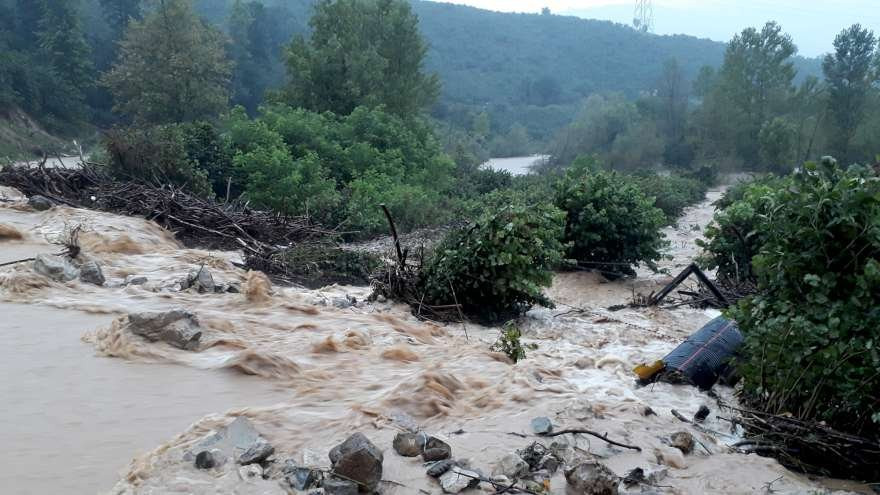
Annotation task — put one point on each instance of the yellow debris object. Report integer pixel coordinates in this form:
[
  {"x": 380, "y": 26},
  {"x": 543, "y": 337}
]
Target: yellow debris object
[{"x": 646, "y": 371}]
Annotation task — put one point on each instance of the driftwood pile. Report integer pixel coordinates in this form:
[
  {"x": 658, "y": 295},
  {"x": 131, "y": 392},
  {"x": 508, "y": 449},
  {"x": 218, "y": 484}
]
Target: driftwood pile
[
  {"x": 196, "y": 222},
  {"x": 808, "y": 446},
  {"x": 719, "y": 293}
]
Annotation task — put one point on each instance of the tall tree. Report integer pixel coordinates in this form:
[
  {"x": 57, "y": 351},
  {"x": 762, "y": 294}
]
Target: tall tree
[
  {"x": 26, "y": 19},
  {"x": 754, "y": 85},
  {"x": 63, "y": 42},
  {"x": 171, "y": 67},
  {"x": 250, "y": 30},
  {"x": 119, "y": 13},
  {"x": 849, "y": 77},
  {"x": 672, "y": 92},
  {"x": 361, "y": 52}
]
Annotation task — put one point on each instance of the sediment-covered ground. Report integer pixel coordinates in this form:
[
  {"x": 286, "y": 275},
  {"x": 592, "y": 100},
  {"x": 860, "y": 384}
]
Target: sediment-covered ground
[{"x": 308, "y": 369}]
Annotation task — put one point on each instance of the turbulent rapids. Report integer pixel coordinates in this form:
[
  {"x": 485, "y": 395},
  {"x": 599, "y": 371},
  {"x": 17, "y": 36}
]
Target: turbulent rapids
[{"x": 308, "y": 372}]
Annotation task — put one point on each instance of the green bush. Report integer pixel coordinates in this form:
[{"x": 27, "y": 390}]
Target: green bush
[
  {"x": 316, "y": 265},
  {"x": 155, "y": 154},
  {"x": 610, "y": 225},
  {"x": 497, "y": 267},
  {"x": 811, "y": 342},
  {"x": 671, "y": 193},
  {"x": 737, "y": 232}
]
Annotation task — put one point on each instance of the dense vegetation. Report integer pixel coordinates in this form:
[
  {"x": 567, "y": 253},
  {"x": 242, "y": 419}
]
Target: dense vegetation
[{"x": 813, "y": 246}]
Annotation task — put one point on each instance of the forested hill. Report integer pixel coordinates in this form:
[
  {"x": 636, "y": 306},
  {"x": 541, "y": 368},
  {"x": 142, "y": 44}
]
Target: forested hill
[{"x": 485, "y": 56}]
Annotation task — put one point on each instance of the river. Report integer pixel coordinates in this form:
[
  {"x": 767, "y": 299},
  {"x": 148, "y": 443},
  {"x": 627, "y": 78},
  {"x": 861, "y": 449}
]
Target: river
[
  {"x": 83, "y": 397},
  {"x": 517, "y": 165}
]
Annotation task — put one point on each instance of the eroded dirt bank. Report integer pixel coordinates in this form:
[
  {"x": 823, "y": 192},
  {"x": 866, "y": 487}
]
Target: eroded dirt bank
[{"x": 319, "y": 373}]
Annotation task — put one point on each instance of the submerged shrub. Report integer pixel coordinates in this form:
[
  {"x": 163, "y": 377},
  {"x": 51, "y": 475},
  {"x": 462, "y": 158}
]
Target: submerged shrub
[
  {"x": 509, "y": 342},
  {"x": 611, "y": 225},
  {"x": 497, "y": 267},
  {"x": 811, "y": 344},
  {"x": 672, "y": 193}
]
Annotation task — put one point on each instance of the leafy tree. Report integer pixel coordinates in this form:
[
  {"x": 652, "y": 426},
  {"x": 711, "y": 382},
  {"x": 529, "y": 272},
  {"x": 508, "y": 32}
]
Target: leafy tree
[
  {"x": 63, "y": 44},
  {"x": 672, "y": 92},
  {"x": 754, "y": 83},
  {"x": 849, "y": 77},
  {"x": 172, "y": 67},
  {"x": 776, "y": 143},
  {"x": 251, "y": 53},
  {"x": 118, "y": 14},
  {"x": 361, "y": 52}
]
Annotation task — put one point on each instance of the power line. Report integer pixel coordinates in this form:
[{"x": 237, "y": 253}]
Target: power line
[{"x": 643, "y": 17}]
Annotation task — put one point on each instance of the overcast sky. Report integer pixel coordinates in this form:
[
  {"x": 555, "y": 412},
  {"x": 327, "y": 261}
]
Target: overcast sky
[{"x": 811, "y": 23}]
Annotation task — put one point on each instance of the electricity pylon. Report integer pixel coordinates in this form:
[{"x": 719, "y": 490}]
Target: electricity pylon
[{"x": 643, "y": 17}]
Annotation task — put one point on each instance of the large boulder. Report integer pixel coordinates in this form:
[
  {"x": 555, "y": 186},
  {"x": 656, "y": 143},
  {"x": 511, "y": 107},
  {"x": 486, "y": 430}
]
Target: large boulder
[
  {"x": 359, "y": 460},
  {"x": 178, "y": 327},
  {"x": 90, "y": 272},
  {"x": 40, "y": 203},
  {"x": 55, "y": 267},
  {"x": 591, "y": 478}
]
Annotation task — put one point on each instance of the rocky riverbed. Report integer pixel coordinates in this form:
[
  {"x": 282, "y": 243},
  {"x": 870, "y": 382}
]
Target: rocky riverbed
[{"x": 334, "y": 391}]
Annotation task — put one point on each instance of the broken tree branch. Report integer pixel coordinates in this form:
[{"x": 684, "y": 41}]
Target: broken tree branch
[{"x": 593, "y": 433}]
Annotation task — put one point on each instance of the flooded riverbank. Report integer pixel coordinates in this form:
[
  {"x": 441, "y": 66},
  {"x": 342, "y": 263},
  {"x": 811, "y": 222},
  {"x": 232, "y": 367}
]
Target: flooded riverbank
[{"x": 308, "y": 374}]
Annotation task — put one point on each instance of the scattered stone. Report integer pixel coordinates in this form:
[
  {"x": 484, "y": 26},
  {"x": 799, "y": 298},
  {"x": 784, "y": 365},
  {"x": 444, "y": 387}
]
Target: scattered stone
[
  {"x": 90, "y": 272},
  {"x": 540, "y": 476},
  {"x": 359, "y": 460},
  {"x": 230, "y": 441},
  {"x": 634, "y": 477},
  {"x": 256, "y": 453},
  {"x": 671, "y": 457},
  {"x": 409, "y": 444},
  {"x": 208, "y": 459},
  {"x": 135, "y": 280},
  {"x": 250, "y": 472},
  {"x": 438, "y": 468},
  {"x": 55, "y": 267},
  {"x": 233, "y": 288},
  {"x": 683, "y": 441},
  {"x": 40, "y": 203},
  {"x": 564, "y": 452},
  {"x": 591, "y": 478},
  {"x": 219, "y": 288},
  {"x": 336, "y": 486},
  {"x": 201, "y": 280},
  {"x": 436, "y": 450},
  {"x": 344, "y": 302},
  {"x": 534, "y": 486},
  {"x": 702, "y": 414},
  {"x": 457, "y": 479},
  {"x": 648, "y": 411},
  {"x": 542, "y": 425},
  {"x": 533, "y": 454},
  {"x": 177, "y": 327},
  {"x": 511, "y": 466},
  {"x": 657, "y": 475},
  {"x": 301, "y": 478},
  {"x": 501, "y": 480}
]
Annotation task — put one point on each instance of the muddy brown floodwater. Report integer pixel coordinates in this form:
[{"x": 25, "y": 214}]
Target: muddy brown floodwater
[{"x": 85, "y": 400}]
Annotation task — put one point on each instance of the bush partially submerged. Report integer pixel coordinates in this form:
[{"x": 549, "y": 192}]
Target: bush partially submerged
[
  {"x": 810, "y": 335},
  {"x": 497, "y": 267},
  {"x": 611, "y": 224}
]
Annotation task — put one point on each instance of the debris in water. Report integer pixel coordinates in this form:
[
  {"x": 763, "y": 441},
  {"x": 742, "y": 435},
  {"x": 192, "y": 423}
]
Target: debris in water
[
  {"x": 683, "y": 441},
  {"x": 701, "y": 414},
  {"x": 704, "y": 357}
]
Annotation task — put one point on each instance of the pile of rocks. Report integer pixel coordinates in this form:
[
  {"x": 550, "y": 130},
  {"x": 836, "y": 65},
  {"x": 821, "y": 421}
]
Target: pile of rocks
[
  {"x": 202, "y": 281},
  {"x": 62, "y": 269}
]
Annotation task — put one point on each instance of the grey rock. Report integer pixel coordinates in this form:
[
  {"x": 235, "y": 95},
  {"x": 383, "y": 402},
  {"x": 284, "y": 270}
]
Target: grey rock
[
  {"x": 439, "y": 467},
  {"x": 301, "y": 478},
  {"x": 511, "y": 466},
  {"x": 90, "y": 272},
  {"x": 457, "y": 479},
  {"x": 177, "y": 327},
  {"x": 256, "y": 453},
  {"x": 233, "y": 288},
  {"x": 135, "y": 280},
  {"x": 702, "y": 414},
  {"x": 250, "y": 472},
  {"x": 40, "y": 203},
  {"x": 336, "y": 486},
  {"x": 436, "y": 450},
  {"x": 201, "y": 280},
  {"x": 359, "y": 460},
  {"x": 231, "y": 440},
  {"x": 344, "y": 302},
  {"x": 55, "y": 267},
  {"x": 409, "y": 444},
  {"x": 542, "y": 425},
  {"x": 208, "y": 459},
  {"x": 683, "y": 441},
  {"x": 591, "y": 478}
]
